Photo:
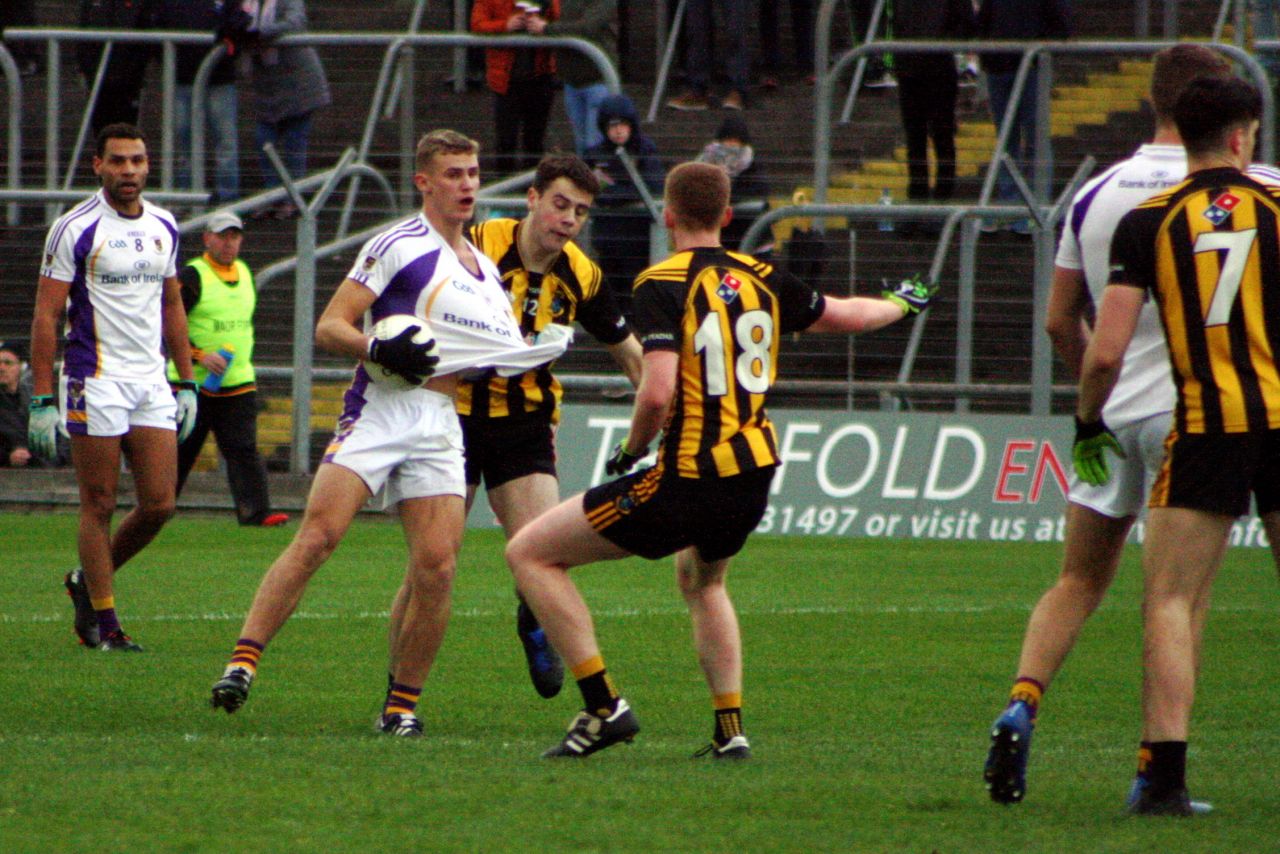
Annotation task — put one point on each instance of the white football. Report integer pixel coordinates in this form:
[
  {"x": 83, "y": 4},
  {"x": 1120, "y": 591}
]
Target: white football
[{"x": 387, "y": 328}]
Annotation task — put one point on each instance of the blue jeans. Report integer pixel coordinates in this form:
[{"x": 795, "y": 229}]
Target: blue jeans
[
  {"x": 221, "y": 111},
  {"x": 582, "y": 103},
  {"x": 1022, "y": 136},
  {"x": 289, "y": 136}
]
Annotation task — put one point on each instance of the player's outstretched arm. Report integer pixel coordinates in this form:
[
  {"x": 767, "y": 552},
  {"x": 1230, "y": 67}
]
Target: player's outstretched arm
[
  {"x": 629, "y": 357},
  {"x": 866, "y": 314},
  {"x": 653, "y": 399}
]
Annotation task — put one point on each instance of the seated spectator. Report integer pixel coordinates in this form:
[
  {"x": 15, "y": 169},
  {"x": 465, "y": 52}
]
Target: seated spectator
[
  {"x": 620, "y": 222},
  {"x": 748, "y": 184},
  {"x": 15, "y": 398}
]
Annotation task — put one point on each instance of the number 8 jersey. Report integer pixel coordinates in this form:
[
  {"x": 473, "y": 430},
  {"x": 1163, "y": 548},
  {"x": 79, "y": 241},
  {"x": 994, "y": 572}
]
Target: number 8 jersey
[{"x": 723, "y": 313}]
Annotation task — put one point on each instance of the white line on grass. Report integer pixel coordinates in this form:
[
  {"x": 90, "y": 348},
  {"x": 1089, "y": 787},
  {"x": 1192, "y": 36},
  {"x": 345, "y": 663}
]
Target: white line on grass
[{"x": 487, "y": 613}]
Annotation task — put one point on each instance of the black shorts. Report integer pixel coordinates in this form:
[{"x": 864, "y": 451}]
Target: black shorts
[
  {"x": 1217, "y": 473},
  {"x": 652, "y": 514},
  {"x": 503, "y": 449}
]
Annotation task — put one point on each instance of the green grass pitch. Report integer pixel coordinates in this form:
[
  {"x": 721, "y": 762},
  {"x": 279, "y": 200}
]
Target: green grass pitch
[{"x": 873, "y": 671}]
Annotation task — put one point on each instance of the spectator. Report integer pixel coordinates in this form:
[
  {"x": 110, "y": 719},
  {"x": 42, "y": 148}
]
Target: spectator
[
  {"x": 21, "y": 13},
  {"x": 288, "y": 84},
  {"x": 1264, "y": 29},
  {"x": 523, "y": 81},
  {"x": 221, "y": 104},
  {"x": 801, "y": 40},
  {"x": 700, "y": 56},
  {"x": 584, "y": 89},
  {"x": 120, "y": 96},
  {"x": 15, "y": 399},
  {"x": 879, "y": 74},
  {"x": 620, "y": 223},
  {"x": 748, "y": 184},
  {"x": 1017, "y": 20},
  {"x": 927, "y": 87},
  {"x": 219, "y": 296}
]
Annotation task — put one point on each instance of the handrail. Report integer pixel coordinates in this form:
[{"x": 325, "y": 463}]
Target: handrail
[
  {"x": 56, "y": 36},
  {"x": 13, "y": 82}
]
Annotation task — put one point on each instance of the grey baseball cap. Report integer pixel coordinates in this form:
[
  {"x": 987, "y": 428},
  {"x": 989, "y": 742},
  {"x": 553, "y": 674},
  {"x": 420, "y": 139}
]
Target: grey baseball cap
[{"x": 223, "y": 220}]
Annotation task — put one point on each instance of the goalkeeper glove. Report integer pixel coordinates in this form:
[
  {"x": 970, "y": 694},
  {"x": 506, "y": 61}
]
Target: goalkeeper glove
[
  {"x": 621, "y": 460},
  {"x": 42, "y": 426},
  {"x": 400, "y": 355},
  {"x": 1088, "y": 454},
  {"x": 912, "y": 295},
  {"x": 186, "y": 409}
]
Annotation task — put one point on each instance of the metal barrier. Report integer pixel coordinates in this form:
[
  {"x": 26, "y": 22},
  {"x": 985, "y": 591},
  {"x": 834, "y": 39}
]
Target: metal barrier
[{"x": 396, "y": 43}]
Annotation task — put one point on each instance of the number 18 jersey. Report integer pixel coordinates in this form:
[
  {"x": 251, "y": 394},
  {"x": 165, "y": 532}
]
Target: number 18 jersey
[{"x": 723, "y": 313}]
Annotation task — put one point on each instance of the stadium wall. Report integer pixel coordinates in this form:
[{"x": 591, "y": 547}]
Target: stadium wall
[{"x": 886, "y": 475}]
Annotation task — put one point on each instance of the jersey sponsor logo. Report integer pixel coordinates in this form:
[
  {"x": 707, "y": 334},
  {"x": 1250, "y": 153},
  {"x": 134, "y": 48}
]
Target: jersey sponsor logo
[
  {"x": 1218, "y": 212},
  {"x": 729, "y": 287},
  {"x": 474, "y": 323}
]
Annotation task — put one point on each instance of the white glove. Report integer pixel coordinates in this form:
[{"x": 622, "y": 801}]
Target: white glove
[
  {"x": 186, "y": 409},
  {"x": 42, "y": 426}
]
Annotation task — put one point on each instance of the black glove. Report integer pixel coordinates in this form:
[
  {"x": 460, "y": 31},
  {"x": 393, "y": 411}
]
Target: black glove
[
  {"x": 414, "y": 362},
  {"x": 621, "y": 461}
]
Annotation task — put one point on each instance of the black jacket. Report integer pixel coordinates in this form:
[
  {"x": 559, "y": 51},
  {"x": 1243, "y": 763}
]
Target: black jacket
[
  {"x": 642, "y": 150},
  {"x": 215, "y": 17},
  {"x": 128, "y": 61},
  {"x": 1024, "y": 20},
  {"x": 944, "y": 20}
]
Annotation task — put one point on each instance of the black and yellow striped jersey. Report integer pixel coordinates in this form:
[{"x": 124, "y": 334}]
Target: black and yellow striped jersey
[
  {"x": 572, "y": 289},
  {"x": 723, "y": 313},
  {"x": 1208, "y": 250}
]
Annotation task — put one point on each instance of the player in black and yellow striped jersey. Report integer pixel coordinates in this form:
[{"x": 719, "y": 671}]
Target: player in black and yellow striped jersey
[
  {"x": 709, "y": 321},
  {"x": 508, "y": 423},
  {"x": 1208, "y": 251}
]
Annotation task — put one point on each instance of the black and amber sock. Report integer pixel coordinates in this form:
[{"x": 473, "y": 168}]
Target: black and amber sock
[
  {"x": 401, "y": 700},
  {"x": 1144, "y": 761},
  {"x": 728, "y": 716},
  {"x": 599, "y": 696},
  {"x": 1027, "y": 690},
  {"x": 1167, "y": 771},
  {"x": 246, "y": 655},
  {"x": 105, "y": 609}
]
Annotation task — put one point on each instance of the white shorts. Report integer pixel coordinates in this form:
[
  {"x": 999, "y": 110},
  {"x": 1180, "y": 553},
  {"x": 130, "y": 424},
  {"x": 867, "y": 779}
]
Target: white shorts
[
  {"x": 1125, "y": 494},
  {"x": 410, "y": 442},
  {"x": 94, "y": 406}
]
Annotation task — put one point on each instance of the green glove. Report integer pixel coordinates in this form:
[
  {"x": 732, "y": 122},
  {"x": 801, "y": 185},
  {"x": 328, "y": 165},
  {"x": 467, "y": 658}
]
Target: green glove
[
  {"x": 42, "y": 426},
  {"x": 1088, "y": 454},
  {"x": 912, "y": 295}
]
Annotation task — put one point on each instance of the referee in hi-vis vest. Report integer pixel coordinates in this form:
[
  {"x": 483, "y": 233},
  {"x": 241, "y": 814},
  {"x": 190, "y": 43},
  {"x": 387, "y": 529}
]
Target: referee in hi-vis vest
[{"x": 219, "y": 295}]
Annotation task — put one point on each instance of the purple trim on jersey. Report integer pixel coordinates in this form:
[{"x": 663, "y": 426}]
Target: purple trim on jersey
[
  {"x": 413, "y": 228},
  {"x": 1081, "y": 208},
  {"x": 85, "y": 207},
  {"x": 402, "y": 292},
  {"x": 81, "y": 358},
  {"x": 353, "y": 403},
  {"x": 173, "y": 232}
]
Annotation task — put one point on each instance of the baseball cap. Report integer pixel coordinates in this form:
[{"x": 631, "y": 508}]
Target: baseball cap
[{"x": 223, "y": 220}]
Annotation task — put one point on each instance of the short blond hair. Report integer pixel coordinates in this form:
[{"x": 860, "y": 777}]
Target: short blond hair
[
  {"x": 442, "y": 141},
  {"x": 697, "y": 194}
]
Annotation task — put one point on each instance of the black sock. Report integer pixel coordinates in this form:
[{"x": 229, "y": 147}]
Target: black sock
[{"x": 1168, "y": 769}]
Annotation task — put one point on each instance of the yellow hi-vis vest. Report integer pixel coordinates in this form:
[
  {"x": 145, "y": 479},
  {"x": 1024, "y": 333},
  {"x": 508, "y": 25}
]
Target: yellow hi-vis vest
[{"x": 223, "y": 318}]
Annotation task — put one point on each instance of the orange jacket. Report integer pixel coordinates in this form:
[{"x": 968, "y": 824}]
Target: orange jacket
[{"x": 490, "y": 16}]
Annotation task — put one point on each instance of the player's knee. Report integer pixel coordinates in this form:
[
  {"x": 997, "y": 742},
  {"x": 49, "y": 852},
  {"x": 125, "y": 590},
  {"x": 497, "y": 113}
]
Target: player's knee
[
  {"x": 432, "y": 574},
  {"x": 97, "y": 503},
  {"x": 316, "y": 542},
  {"x": 157, "y": 513}
]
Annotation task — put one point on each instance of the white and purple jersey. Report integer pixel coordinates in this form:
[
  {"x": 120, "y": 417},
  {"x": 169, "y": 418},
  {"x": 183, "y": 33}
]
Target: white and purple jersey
[
  {"x": 116, "y": 266},
  {"x": 1145, "y": 386}
]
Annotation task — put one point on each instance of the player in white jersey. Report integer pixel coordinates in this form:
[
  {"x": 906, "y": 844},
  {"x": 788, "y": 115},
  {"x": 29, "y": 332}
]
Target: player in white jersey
[
  {"x": 1138, "y": 414},
  {"x": 406, "y": 442},
  {"x": 110, "y": 264}
]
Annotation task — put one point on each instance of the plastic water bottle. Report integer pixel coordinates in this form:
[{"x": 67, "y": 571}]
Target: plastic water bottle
[
  {"x": 213, "y": 382},
  {"x": 886, "y": 199}
]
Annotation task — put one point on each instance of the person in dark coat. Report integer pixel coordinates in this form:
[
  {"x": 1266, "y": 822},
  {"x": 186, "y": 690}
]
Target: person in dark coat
[
  {"x": 1026, "y": 20},
  {"x": 927, "y": 87},
  {"x": 620, "y": 222},
  {"x": 748, "y": 183},
  {"x": 120, "y": 96}
]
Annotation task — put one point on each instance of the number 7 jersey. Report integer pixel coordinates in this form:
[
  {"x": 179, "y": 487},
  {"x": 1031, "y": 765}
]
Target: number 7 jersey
[
  {"x": 1208, "y": 250},
  {"x": 723, "y": 313}
]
